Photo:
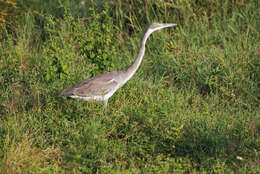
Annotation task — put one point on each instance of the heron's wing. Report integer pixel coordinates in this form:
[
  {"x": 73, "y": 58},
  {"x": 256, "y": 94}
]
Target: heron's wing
[
  {"x": 95, "y": 87},
  {"x": 98, "y": 86}
]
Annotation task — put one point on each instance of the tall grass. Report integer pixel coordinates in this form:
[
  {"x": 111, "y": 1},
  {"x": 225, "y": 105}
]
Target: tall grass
[{"x": 192, "y": 107}]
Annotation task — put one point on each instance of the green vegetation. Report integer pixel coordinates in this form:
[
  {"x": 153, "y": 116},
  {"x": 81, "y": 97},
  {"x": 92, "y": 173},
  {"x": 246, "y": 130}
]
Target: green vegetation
[{"x": 192, "y": 107}]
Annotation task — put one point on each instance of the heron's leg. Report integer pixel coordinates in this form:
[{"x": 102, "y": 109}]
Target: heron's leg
[{"x": 105, "y": 103}]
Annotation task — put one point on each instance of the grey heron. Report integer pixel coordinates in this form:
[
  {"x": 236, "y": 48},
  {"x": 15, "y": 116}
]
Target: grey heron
[{"x": 103, "y": 86}]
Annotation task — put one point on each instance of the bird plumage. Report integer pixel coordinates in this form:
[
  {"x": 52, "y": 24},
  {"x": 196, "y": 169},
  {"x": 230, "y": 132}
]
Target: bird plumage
[{"x": 103, "y": 86}]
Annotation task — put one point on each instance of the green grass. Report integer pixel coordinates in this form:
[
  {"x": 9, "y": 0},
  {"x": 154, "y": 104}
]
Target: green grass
[{"x": 192, "y": 107}]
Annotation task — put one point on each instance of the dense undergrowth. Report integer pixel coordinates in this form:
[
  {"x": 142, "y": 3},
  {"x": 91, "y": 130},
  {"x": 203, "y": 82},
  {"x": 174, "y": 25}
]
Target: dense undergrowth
[{"x": 192, "y": 107}]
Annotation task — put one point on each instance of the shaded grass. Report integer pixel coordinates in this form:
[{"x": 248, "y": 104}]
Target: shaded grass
[
  {"x": 192, "y": 107},
  {"x": 20, "y": 152}
]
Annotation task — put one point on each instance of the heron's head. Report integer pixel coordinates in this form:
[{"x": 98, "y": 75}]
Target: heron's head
[{"x": 157, "y": 26}]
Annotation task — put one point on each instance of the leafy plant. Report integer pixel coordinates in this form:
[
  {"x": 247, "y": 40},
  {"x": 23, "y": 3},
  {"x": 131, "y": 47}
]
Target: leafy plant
[
  {"x": 91, "y": 40},
  {"x": 98, "y": 45}
]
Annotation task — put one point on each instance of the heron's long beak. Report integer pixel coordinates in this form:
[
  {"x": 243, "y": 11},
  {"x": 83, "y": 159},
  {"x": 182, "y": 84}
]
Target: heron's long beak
[{"x": 168, "y": 25}]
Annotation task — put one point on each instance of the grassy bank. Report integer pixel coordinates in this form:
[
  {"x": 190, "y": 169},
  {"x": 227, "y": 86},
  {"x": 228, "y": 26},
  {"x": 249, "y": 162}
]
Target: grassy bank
[{"x": 192, "y": 107}]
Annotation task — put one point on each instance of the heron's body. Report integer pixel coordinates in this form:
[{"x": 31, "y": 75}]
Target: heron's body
[
  {"x": 103, "y": 86},
  {"x": 100, "y": 88}
]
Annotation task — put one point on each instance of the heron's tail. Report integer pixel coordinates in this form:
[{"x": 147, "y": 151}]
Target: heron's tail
[
  {"x": 67, "y": 92},
  {"x": 61, "y": 94}
]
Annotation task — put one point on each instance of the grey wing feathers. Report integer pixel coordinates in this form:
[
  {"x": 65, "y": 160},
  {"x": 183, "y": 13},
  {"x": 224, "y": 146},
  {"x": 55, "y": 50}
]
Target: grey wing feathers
[
  {"x": 100, "y": 85},
  {"x": 94, "y": 88},
  {"x": 70, "y": 91}
]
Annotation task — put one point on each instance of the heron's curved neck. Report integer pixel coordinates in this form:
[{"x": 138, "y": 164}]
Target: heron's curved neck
[{"x": 132, "y": 69}]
